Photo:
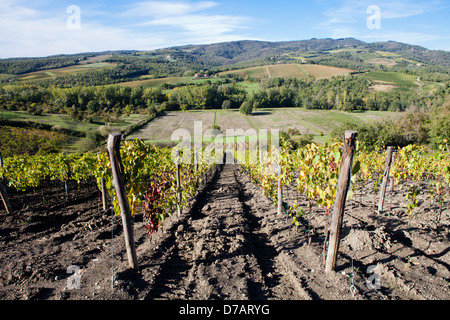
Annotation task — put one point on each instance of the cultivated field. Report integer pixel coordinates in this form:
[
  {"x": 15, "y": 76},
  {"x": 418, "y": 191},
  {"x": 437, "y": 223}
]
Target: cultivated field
[
  {"x": 292, "y": 70},
  {"x": 396, "y": 78},
  {"x": 382, "y": 61},
  {"x": 75, "y": 69},
  {"x": 254, "y": 72},
  {"x": 317, "y": 122},
  {"x": 161, "y": 129},
  {"x": 147, "y": 82},
  {"x": 286, "y": 71},
  {"x": 324, "y": 72}
]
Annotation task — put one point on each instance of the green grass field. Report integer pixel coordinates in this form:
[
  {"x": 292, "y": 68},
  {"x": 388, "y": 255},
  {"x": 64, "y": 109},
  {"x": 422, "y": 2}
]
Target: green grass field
[
  {"x": 396, "y": 78},
  {"x": 65, "y": 122}
]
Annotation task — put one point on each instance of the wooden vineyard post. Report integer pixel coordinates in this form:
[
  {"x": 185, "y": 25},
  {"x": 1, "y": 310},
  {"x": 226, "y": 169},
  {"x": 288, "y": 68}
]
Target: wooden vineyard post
[
  {"x": 104, "y": 201},
  {"x": 103, "y": 189},
  {"x": 66, "y": 185},
  {"x": 3, "y": 192},
  {"x": 113, "y": 148},
  {"x": 387, "y": 167},
  {"x": 5, "y": 198},
  {"x": 195, "y": 161},
  {"x": 178, "y": 188},
  {"x": 339, "y": 202},
  {"x": 391, "y": 179},
  {"x": 280, "y": 193}
]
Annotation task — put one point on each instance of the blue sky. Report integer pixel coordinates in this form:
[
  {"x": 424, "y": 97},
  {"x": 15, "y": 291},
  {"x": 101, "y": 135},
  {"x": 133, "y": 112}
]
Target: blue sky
[{"x": 48, "y": 27}]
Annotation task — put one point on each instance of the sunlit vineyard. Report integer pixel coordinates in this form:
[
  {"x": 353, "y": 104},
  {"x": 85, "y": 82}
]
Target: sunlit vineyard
[
  {"x": 314, "y": 171},
  {"x": 147, "y": 170},
  {"x": 150, "y": 175},
  {"x": 221, "y": 214}
]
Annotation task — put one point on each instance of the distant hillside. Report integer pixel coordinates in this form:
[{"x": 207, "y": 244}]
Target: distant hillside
[
  {"x": 418, "y": 53},
  {"x": 240, "y": 51},
  {"x": 185, "y": 61}
]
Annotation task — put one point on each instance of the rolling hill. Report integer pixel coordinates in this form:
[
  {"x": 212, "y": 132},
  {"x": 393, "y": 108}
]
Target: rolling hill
[{"x": 186, "y": 60}]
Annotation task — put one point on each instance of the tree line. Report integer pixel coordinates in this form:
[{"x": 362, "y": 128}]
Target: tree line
[
  {"x": 25, "y": 65},
  {"x": 341, "y": 93}
]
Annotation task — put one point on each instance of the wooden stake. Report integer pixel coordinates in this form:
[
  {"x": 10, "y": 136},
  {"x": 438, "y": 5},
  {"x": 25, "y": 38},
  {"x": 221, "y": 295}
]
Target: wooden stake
[
  {"x": 104, "y": 200},
  {"x": 66, "y": 185},
  {"x": 178, "y": 188},
  {"x": 113, "y": 148},
  {"x": 391, "y": 179},
  {"x": 103, "y": 189},
  {"x": 3, "y": 193},
  {"x": 196, "y": 161},
  {"x": 339, "y": 202},
  {"x": 280, "y": 193},
  {"x": 387, "y": 167},
  {"x": 5, "y": 198}
]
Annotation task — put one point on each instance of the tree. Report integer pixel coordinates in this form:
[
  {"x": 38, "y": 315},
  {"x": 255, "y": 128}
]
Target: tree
[
  {"x": 226, "y": 104},
  {"x": 246, "y": 108}
]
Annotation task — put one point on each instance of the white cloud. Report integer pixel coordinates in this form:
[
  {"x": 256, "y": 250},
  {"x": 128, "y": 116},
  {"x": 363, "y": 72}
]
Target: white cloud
[
  {"x": 350, "y": 11},
  {"x": 349, "y": 19},
  {"x": 164, "y": 8},
  {"x": 189, "y": 23},
  {"x": 29, "y": 32},
  {"x": 202, "y": 24}
]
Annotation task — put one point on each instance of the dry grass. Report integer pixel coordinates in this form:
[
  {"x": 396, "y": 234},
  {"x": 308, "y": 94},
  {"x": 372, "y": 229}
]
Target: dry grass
[
  {"x": 151, "y": 83},
  {"x": 325, "y": 72},
  {"x": 286, "y": 71},
  {"x": 382, "y": 61},
  {"x": 232, "y": 119},
  {"x": 162, "y": 128},
  {"x": 317, "y": 122},
  {"x": 254, "y": 72},
  {"x": 381, "y": 87},
  {"x": 291, "y": 70}
]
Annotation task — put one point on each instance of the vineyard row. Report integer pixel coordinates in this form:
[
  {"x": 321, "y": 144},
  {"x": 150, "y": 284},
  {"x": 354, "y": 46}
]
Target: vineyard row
[{"x": 150, "y": 175}]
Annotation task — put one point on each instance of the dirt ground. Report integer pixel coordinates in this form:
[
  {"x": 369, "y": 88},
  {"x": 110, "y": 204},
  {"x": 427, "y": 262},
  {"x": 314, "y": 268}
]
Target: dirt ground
[
  {"x": 228, "y": 244},
  {"x": 162, "y": 128}
]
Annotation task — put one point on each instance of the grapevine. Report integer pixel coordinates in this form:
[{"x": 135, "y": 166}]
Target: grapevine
[
  {"x": 146, "y": 168},
  {"x": 314, "y": 171}
]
